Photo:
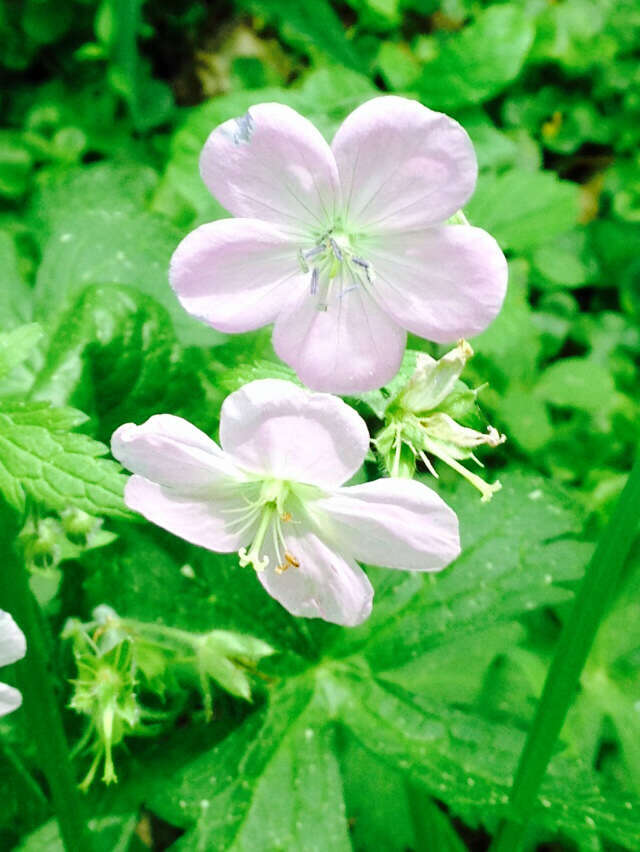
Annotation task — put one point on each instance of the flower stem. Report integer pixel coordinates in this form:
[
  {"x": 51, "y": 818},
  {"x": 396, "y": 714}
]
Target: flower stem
[
  {"x": 39, "y": 700},
  {"x": 601, "y": 579}
]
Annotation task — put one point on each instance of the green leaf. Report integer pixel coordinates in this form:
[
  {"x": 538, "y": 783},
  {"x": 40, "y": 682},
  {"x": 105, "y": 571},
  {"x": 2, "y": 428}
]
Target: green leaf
[
  {"x": 565, "y": 261},
  {"x": 16, "y": 345},
  {"x": 525, "y": 418},
  {"x": 119, "y": 186},
  {"x": 274, "y": 783},
  {"x": 604, "y": 572},
  {"x": 315, "y": 29},
  {"x": 511, "y": 345},
  {"x": 367, "y": 779},
  {"x": 115, "y": 356},
  {"x": 15, "y": 295},
  {"x": 495, "y": 149},
  {"x": 467, "y": 761},
  {"x": 478, "y": 62},
  {"x": 113, "y": 246},
  {"x": 41, "y": 459},
  {"x": 523, "y": 209},
  {"x": 561, "y": 120},
  {"x": 577, "y": 383},
  {"x": 16, "y": 164}
]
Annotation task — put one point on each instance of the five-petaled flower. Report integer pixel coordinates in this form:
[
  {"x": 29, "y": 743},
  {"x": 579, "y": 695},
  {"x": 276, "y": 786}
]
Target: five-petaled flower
[
  {"x": 12, "y": 648},
  {"x": 274, "y": 492},
  {"x": 343, "y": 248}
]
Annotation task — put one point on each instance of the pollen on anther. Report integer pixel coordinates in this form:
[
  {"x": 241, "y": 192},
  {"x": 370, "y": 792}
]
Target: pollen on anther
[{"x": 291, "y": 559}]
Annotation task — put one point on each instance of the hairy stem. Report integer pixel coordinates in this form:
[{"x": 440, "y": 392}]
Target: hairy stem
[
  {"x": 601, "y": 579},
  {"x": 39, "y": 699}
]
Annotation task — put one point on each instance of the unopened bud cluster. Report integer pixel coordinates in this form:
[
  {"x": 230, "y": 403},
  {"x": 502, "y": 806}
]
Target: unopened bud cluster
[
  {"x": 133, "y": 676},
  {"x": 423, "y": 421}
]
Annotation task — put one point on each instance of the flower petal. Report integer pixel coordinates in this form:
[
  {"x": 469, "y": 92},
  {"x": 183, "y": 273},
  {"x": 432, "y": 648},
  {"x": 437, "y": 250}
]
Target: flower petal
[
  {"x": 402, "y": 166},
  {"x": 442, "y": 283},
  {"x": 323, "y": 585},
  {"x": 393, "y": 523},
  {"x": 281, "y": 429},
  {"x": 12, "y": 642},
  {"x": 351, "y": 347},
  {"x": 174, "y": 453},
  {"x": 216, "y": 523},
  {"x": 235, "y": 274},
  {"x": 10, "y": 699},
  {"x": 272, "y": 164}
]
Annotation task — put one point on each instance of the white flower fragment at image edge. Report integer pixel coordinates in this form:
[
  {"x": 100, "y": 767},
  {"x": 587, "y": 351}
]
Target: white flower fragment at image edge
[
  {"x": 12, "y": 648},
  {"x": 273, "y": 491}
]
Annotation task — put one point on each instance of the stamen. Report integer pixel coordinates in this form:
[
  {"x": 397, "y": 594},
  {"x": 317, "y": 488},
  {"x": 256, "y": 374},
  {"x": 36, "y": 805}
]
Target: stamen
[
  {"x": 331, "y": 258},
  {"x": 487, "y": 489},
  {"x": 428, "y": 464},
  {"x": 290, "y": 561},
  {"x": 312, "y": 252},
  {"x": 368, "y": 269}
]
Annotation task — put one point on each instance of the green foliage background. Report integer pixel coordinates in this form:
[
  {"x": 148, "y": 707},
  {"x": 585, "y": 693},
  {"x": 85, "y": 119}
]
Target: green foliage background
[{"x": 405, "y": 732}]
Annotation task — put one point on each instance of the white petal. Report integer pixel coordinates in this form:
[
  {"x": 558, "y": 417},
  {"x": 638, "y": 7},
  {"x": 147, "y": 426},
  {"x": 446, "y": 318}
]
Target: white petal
[
  {"x": 12, "y": 642},
  {"x": 10, "y": 699},
  {"x": 236, "y": 274},
  {"x": 402, "y": 166},
  {"x": 285, "y": 431},
  {"x": 275, "y": 165},
  {"x": 174, "y": 453},
  {"x": 442, "y": 283},
  {"x": 393, "y": 523},
  {"x": 325, "y": 584},
  {"x": 351, "y": 347},
  {"x": 215, "y": 523}
]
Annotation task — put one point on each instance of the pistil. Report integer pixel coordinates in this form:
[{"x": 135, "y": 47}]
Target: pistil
[
  {"x": 270, "y": 507},
  {"x": 330, "y": 259}
]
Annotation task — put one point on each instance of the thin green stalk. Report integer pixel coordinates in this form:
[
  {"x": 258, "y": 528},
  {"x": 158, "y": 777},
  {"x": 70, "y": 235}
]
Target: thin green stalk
[
  {"x": 39, "y": 700},
  {"x": 600, "y": 580}
]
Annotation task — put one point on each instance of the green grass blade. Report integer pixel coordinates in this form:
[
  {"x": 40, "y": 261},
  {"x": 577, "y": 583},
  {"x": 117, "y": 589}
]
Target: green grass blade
[{"x": 601, "y": 579}]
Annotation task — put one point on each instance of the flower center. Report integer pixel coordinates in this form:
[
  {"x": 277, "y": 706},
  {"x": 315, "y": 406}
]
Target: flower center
[
  {"x": 331, "y": 262},
  {"x": 269, "y": 510}
]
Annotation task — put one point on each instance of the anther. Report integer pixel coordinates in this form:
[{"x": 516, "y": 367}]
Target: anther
[
  {"x": 314, "y": 281},
  {"x": 368, "y": 270},
  {"x": 336, "y": 249},
  {"x": 290, "y": 561}
]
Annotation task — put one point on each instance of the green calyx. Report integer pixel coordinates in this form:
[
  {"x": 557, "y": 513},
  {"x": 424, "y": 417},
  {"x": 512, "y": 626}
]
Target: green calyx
[
  {"x": 423, "y": 421},
  {"x": 127, "y": 669}
]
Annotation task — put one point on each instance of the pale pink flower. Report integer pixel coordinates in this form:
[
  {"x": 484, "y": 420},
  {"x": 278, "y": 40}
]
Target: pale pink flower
[
  {"x": 274, "y": 492},
  {"x": 12, "y": 648},
  {"x": 343, "y": 248}
]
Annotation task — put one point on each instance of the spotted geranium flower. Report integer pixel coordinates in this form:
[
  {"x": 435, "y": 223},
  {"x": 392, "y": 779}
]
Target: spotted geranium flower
[
  {"x": 343, "y": 248},
  {"x": 274, "y": 492},
  {"x": 12, "y": 648}
]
